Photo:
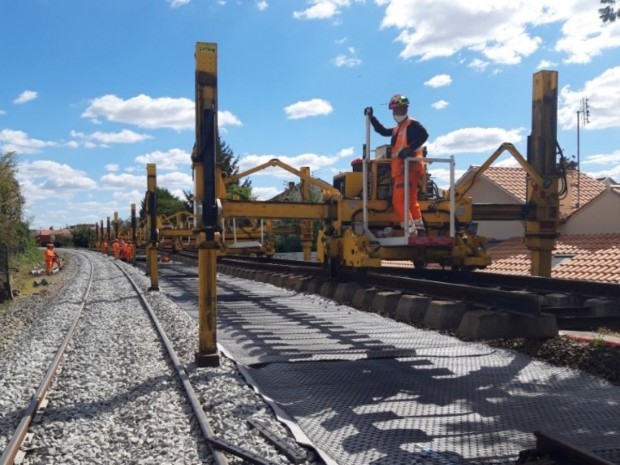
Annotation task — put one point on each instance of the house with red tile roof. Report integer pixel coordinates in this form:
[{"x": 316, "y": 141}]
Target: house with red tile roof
[
  {"x": 56, "y": 236},
  {"x": 584, "y": 209},
  {"x": 589, "y": 257},
  {"x": 588, "y": 246}
]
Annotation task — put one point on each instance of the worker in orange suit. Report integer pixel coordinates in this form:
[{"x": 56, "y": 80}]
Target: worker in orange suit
[
  {"x": 51, "y": 257},
  {"x": 408, "y": 137},
  {"x": 115, "y": 249},
  {"x": 127, "y": 251}
]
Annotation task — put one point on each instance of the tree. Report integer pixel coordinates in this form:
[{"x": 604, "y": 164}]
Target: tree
[
  {"x": 167, "y": 204},
  {"x": 11, "y": 201},
  {"x": 607, "y": 13},
  {"x": 225, "y": 159},
  {"x": 82, "y": 236}
]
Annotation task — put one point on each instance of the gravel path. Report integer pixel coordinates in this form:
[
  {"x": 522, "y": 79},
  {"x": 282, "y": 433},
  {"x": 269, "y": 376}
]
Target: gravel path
[
  {"x": 116, "y": 398},
  {"x": 118, "y": 401}
]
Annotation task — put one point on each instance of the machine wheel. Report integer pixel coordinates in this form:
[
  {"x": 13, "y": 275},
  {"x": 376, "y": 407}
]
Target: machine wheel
[{"x": 419, "y": 264}]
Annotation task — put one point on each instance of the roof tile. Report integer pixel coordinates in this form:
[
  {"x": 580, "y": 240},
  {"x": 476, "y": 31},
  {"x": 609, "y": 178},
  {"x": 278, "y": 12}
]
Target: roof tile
[
  {"x": 596, "y": 257},
  {"x": 514, "y": 181}
]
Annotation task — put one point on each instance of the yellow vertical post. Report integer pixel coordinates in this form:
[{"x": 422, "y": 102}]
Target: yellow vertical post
[
  {"x": 203, "y": 163},
  {"x": 541, "y": 232},
  {"x": 305, "y": 225},
  {"x": 152, "y": 247}
]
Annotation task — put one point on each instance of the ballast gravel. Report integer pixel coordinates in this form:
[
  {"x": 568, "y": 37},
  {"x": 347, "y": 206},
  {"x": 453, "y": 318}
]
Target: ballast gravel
[{"x": 117, "y": 398}]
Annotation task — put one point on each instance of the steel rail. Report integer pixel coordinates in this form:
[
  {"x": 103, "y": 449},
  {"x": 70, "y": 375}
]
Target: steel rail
[
  {"x": 531, "y": 283},
  {"x": 219, "y": 457},
  {"x": 481, "y": 296},
  {"x": 216, "y": 444},
  {"x": 14, "y": 445}
]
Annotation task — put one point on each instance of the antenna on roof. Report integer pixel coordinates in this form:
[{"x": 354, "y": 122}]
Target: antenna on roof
[{"x": 583, "y": 118}]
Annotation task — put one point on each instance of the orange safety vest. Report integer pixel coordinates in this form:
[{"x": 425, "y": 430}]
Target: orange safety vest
[{"x": 398, "y": 165}]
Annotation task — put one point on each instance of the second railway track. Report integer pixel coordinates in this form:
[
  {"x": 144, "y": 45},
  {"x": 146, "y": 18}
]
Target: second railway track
[{"x": 115, "y": 396}]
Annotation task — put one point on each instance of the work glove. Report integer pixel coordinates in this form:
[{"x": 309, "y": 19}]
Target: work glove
[
  {"x": 368, "y": 111},
  {"x": 405, "y": 153}
]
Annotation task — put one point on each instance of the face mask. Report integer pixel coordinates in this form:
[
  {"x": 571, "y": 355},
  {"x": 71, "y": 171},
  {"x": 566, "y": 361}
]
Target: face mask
[{"x": 400, "y": 118}]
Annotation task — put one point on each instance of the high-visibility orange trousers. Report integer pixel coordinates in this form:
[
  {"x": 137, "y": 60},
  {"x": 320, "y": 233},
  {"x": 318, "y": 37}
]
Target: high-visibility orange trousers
[{"x": 398, "y": 196}]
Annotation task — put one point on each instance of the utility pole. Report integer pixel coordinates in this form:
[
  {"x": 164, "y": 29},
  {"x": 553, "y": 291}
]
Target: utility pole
[{"x": 583, "y": 118}]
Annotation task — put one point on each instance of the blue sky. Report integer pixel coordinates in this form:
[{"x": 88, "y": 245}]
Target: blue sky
[{"x": 92, "y": 91}]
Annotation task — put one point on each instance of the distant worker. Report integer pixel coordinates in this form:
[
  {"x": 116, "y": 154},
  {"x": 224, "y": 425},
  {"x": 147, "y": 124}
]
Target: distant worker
[
  {"x": 127, "y": 251},
  {"x": 51, "y": 257},
  {"x": 408, "y": 137},
  {"x": 115, "y": 249}
]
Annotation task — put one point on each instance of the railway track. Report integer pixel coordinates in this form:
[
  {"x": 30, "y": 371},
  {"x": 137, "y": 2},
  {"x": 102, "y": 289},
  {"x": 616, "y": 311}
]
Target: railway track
[
  {"x": 239, "y": 298},
  {"x": 576, "y": 305},
  {"x": 83, "y": 357}
]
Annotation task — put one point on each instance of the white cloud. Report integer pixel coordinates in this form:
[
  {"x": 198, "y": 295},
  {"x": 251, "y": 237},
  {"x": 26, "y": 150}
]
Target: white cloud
[
  {"x": 313, "y": 160},
  {"x": 603, "y": 159},
  {"x": 226, "y": 118},
  {"x": 53, "y": 177},
  {"x": 144, "y": 111},
  {"x": 26, "y": 96},
  {"x": 2, "y": 112},
  {"x": 603, "y": 101},
  {"x": 152, "y": 113},
  {"x": 170, "y": 160},
  {"x": 502, "y": 32},
  {"x": 178, "y": 3},
  {"x": 346, "y": 152},
  {"x": 349, "y": 60},
  {"x": 546, "y": 64},
  {"x": 440, "y": 80},
  {"x": 262, "y": 5},
  {"x": 478, "y": 64},
  {"x": 473, "y": 140},
  {"x": 19, "y": 142},
  {"x": 440, "y": 104},
  {"x": 113, "y": 167},
  {"x": 324, "y": 9},
  {"x": 175, "y": 180},
  {"x": 123, "y": 181},
  {"x": 265, "y": 193},
  {"x": 104, "y": 138},
  {"x": 585, "y": 36},
  {"x": 304, "y": 109}
]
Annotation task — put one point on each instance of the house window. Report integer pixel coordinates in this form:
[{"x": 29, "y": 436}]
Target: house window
[{"x": 558, "y": 259}]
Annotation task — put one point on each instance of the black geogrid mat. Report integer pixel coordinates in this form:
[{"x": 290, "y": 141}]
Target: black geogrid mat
[{"x": 367, "y": 390}]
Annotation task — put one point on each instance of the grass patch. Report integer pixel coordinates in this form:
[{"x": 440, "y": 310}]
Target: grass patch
[{"x": 22, "y": 280}]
